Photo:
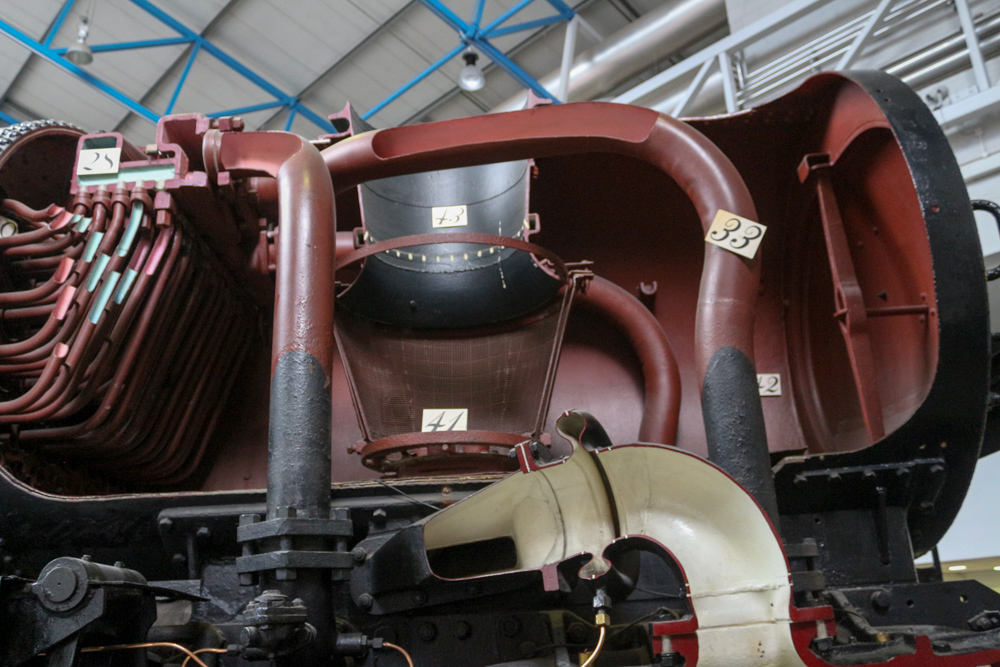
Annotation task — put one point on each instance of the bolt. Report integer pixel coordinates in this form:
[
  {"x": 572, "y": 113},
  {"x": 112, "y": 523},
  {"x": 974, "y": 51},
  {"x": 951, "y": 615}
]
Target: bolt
[
  {"x": 59, "y": 584},
  {"x": 179, "y": 559},
  {"x": 576, "y": 633},
  {"x": 365, "y": 601},
  {"x": 601, "y": 599},
  {"x": 880, "y": 600},
  {"x": 359, "y": 555},
  {"x": 286, "y": 512},
  {"x": 272, "y": 598},
  {"x": 203, "y": 533},
  {"x": 461, "y": 630},
  {"x": 7, "y": 560},
  {"x": 285, "y": 574},
  {"x": 510, "y": 626},
  {"x": 119, "y": 564},
  {"x": 247, "y": 579},
  {"x": 419, "y": 597},
  {"x": 379, "y": 517},
  {"x": 427, "y": 631}
]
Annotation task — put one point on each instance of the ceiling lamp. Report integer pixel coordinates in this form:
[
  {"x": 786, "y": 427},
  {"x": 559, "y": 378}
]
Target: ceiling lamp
[
  {"x": 471, "y": 77},
  {"x": 79, "y": 53}
]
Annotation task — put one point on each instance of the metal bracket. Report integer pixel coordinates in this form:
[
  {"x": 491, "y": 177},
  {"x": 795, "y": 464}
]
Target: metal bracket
[{"x": 253, "y": 534}]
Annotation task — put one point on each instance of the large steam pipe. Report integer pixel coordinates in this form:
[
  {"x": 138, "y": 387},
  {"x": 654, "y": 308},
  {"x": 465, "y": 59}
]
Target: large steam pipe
[
  {"x": 727, "y": 298},
  {"x": 667, "y": 29},
  {"x": 298, "y": 466},
  {"x": 662, "y": 405}
]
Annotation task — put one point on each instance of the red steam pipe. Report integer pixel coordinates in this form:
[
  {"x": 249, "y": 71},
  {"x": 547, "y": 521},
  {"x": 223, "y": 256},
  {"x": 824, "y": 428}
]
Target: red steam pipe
[
  {"x": 303, "y": 310},
  {"x": 662, "y": 407},
  {"x": 727, "y": 298},
  {"x": 728, "y": 295},
  {"x": 299, "y": 429}
]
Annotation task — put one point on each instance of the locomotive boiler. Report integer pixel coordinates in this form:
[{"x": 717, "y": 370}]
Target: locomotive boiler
[{"x": 575, "y": 385}]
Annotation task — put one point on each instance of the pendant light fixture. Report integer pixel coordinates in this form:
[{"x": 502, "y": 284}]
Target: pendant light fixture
[{"x": 471, "y": 77}]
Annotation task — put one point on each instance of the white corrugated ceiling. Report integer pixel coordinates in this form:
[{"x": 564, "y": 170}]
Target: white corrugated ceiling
[{"x": 326, "y": 52}]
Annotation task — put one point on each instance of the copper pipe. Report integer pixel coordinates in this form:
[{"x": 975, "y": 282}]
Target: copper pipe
[
  {"x": 103, "y": 427},
  {"x": 49, "y": 287},
  {"x": 17, "y": 209}
]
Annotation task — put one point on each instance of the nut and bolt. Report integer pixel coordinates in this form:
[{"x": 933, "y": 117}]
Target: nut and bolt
[
  {"x": 576, "y": 633},
  {"x": 461, "y": 630},
  {"x": 880, "y": 600},
  {"x": 427, "y": 631}
]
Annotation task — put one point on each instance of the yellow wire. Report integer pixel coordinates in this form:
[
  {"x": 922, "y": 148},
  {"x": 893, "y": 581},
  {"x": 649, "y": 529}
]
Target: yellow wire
[
  {"x": 122, "y": 647},
  {"x": 203, "y": 650},
  {"x": 409, "y": 661},
  {"x": 597, "y": 649}
]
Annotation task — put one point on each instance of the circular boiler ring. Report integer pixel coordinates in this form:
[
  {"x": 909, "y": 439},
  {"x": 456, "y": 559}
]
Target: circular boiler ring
[{"x": 442, "y": 452}]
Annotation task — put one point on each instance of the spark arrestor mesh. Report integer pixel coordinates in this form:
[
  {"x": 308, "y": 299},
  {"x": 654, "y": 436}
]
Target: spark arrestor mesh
[{"x": 498, "y": 374}]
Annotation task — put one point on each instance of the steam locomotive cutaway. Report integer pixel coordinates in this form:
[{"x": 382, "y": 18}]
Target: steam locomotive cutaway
[{"x": 575, "y": 385}]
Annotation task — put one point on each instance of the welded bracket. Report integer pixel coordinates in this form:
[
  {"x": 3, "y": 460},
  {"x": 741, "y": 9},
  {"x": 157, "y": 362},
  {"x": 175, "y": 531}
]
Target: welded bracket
[{"x": 851, "y": 312}]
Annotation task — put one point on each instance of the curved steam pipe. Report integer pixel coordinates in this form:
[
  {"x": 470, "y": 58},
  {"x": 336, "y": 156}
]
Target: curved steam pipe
[
  {"x": 724, "y": 324},
  {"x": 662, "y": 407},
  {"x": 299, "y": 425},
  {"x": 302, "y": 350}
]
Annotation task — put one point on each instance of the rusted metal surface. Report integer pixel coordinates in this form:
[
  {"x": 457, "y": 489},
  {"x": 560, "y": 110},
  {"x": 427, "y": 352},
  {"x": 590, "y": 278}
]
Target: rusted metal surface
[
  {"x": 866, "y": 299},
  {"x": 622, "y": 187}
]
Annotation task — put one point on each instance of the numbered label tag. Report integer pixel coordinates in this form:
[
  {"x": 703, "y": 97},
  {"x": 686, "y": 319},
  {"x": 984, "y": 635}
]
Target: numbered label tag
[
  {"x": 735, "y": 234},
  {"x": 449, "y": 216},
  {"x": 98, "y": 161},
  {"x": 769, "y": 384},
  {"x": 445, "y": 420}
]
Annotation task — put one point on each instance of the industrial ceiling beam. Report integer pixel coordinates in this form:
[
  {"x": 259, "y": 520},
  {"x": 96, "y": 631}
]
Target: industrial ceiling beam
[
  {"x": 50, "y": 34},
  {"x": 187, "y": 57},
  {"x": 487, "y": 69},
  {"x": 473, "y": 34},
  {"x": 186, "y": 35},
  {"x": 346, "y": 58}
]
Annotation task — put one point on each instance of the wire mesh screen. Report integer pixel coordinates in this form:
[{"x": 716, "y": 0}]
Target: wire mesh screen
[{"x": 497, "y": 375}]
